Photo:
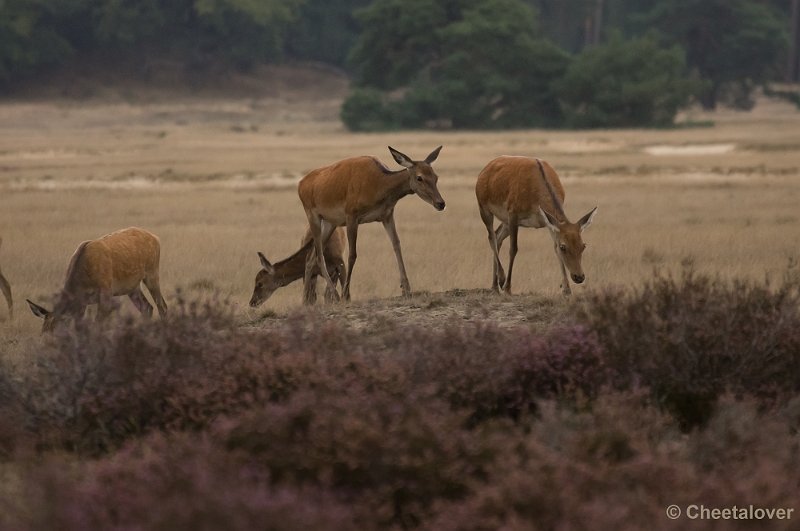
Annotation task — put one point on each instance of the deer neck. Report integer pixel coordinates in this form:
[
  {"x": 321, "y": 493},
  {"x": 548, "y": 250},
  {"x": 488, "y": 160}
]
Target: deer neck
[
  {"x": 396, "y": 186},
  {"x": 294, "y": 267}
]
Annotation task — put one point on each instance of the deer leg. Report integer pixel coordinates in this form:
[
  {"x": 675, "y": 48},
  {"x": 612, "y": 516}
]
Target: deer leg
[
  {"x": 5, "y": 287},
  {"x": 153, "y": 284},
  {"x": 336, "y": 276},
  {"x": 565, "y": 289},
  {"x": 513, "y": 228},
  {"x": 138, "y": 299},
  {"x": 352, "y": 236},
  {"x": 105, "y": 305},
  {"x": 310, "y": 287},
  {"x": 497, "y": 267},
  {"x": 321, "y": 230},
  {"x": 391, "y": 230},
  {"x": 501, "y": 234}
]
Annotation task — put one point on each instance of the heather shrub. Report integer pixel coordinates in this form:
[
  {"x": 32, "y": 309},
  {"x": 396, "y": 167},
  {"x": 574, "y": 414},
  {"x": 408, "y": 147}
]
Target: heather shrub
[
  {"x": 692, "y": 338},
  {"x": 168, "y": 483},
  {"x": 388, "y": 455}
]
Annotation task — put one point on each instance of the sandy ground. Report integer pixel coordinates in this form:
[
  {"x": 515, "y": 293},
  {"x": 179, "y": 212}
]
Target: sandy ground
[{"x": 215, "y": 178}]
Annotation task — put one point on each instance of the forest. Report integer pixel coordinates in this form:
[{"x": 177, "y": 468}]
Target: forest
[{"x": 463, "y": 64}]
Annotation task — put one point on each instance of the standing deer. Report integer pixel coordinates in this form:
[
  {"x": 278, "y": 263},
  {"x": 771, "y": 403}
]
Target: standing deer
[
  {"x": 527, "y": 192},
  {"x": 273, "y": 276},
  {"x": 107, "y": 267},
  {"x": 5, "y": 287},
  {"x": 362, "y": 190}
]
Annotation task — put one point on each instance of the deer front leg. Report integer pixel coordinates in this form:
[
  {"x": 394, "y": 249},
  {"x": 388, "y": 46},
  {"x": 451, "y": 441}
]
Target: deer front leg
[
  {"x": 513, "y": 228},
  {"x": 352, "y": 236},
  {"x": 565, "y": 289},
  {"x": 391, "y": 230},
  {"x": 310, "y": 279}
]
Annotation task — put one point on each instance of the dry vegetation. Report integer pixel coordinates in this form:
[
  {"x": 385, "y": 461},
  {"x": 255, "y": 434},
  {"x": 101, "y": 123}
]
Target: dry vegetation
[
  {"x": 594, "y": 412},
  {"x": 215, "y": 179}
]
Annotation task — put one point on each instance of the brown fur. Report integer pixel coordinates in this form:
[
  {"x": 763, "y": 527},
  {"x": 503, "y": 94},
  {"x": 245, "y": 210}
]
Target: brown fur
[
  {"x": 5, "y": 287},
  {"x": 514, "y": 189},
  {"x": 110, "y": 266},
  {"x": 274, "y": 276},
  {"x": 362, "y": 190}
]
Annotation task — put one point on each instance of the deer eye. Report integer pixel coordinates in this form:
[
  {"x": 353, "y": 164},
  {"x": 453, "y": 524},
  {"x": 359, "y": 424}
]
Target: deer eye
[
  {"x": 419, "y": 178},
  {"x": 584, "y": 246},
  {"x": 563, "y": 248}
]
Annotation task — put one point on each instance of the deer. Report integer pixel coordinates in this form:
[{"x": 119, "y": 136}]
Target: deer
[
  {"x": 361, "y": 190},
  {"x": 5, "y": 287},
  {"x": 271, "y": 277},
  {"x": 111, "y": 266},
  {"x": 526, "y": 192}
]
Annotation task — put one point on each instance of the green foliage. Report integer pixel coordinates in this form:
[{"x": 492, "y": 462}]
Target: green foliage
[
  {"x": 633, "y": 83},
  {"x": 733, "y": 44},
  {"x": 324, "y": 31},
  {"x": 461, "y": 64}
]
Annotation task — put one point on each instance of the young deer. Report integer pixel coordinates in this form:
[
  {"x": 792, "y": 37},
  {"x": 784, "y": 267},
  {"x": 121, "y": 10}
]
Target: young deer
[
  {"x": 273, "y": 276},
  {"x": 527, "y": 192},
  {"x": 107, "y": 267},
  {"x": 362, "y": 190},
  {"x": 5, "y": 287}
]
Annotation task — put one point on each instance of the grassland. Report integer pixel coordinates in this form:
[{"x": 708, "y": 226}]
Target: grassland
[{"x": 215, "y": 179}]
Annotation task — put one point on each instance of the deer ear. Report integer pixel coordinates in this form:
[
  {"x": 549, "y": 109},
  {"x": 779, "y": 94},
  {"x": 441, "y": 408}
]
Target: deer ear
[
  {"x": 433, "y": 156},
  {"x": 265, "y": 264},
  {"x": 37, "y": 310},
  {"x": 586, "y": 220},
  {"x": 549, "y": 221},
  {"x": 400, "y": 158}
]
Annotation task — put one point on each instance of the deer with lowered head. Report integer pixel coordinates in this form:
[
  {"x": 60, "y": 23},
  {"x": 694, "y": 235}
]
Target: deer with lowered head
[
  {"x": 114, "y": 265},
  {"x": 271, "y": 277},
  {"x": 362, "y": 190},
  {"x": 526, "y": 192}
]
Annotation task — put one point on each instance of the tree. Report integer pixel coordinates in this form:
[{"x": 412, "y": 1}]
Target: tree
[
  {"x": 465, "y": 64},
  {"x": 733, "y": 44},
  {"x": 633, "y": 83}
]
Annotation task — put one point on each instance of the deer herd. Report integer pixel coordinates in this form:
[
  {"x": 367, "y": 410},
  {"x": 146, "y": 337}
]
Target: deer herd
[{"x": 518, "y": 191}]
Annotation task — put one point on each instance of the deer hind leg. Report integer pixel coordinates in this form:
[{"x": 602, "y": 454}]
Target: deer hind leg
[
  {"x": 513, "y": 229},
  {"x": 352, "y": 237},
  {"x": 138, "y": 299},
  {"x": 501, "y": 234},
  {"x": 497, "y": 267},
  {"x": 391, "y": 230},
  {"x": 105, "y": 305},
  {"x": 5, "y": 287},
  {"x": 321, "y": 231},
  {"x": 154, "y": 287}
]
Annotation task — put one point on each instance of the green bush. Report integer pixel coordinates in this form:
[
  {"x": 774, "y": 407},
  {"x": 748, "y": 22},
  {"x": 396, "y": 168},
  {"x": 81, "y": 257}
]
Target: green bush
[{"x": 634, "y": 83}]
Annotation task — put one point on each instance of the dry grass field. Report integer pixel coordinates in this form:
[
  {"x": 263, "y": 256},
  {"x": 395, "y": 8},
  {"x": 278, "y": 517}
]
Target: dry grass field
[{"x": 215, "y": 177}]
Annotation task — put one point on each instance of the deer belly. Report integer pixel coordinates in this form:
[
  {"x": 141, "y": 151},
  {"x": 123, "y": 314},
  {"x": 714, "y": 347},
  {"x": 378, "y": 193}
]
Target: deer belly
[
  {"x": 335, "y": 216},
  {"x": 533, "y": 221}
]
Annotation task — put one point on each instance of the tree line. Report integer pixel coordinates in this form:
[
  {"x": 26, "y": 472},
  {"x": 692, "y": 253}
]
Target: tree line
[{"x": 444, "y": 63}]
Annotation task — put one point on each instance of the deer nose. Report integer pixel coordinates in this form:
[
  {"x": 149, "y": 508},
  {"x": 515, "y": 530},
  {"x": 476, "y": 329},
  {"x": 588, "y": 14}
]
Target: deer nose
[
  {"x": 439, "y": 205},
  {"x": 578, "y": 278}
]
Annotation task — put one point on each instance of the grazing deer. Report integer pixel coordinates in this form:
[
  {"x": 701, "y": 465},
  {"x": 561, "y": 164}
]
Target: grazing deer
[
  {"x": 107, "y": 267},
  {"x": 362, "y": 190},
  {"x": 273, "y": 276},
  {"x": 527, "y": 192},
  {"x": 5, "y": 287}
]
